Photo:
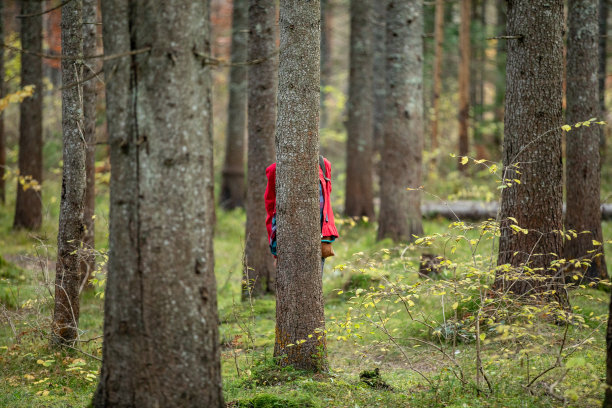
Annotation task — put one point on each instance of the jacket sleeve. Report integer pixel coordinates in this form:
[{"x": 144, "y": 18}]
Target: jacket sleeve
[{"x": 270, "y": 197}]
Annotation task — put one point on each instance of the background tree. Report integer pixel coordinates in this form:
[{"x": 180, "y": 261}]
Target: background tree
[
  {"x": 232, "y": 182},
  {"x": 400, "y": 209},
  {"x": 532, "y": 139},
  {"x": 71, "y": 222},
  {"x": 326, "y": 48},
  {"x": 582, "y": 172},
  {"x": 437, "y": 76},
  {"x": 299, "y": 286},
  {"x": 359, "y": 198},
  {"x": 28, "y": 208},
  {"x": 464, "y": 79},
  {"x": 90, "y": 70},
  {"x": 500, "y": 83},
  {"x": 379, "y": 75},
  {"x": 161, "y": 345},
  {"x": 2, "y": 134},
  {"x": 259, "y": 267},
  {"x": 603, "y": 54}
]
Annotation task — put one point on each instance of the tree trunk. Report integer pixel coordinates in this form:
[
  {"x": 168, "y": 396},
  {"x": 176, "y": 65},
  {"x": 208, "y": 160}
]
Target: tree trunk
[
  {"x": 400, "y": 209},
  {"x": 532, "y": 140},
  {"x": 232, "y": 183},
  {"x": 2, "y": 134},
  {"x": 500, "y": 83},
  {"x": 326, "y": 48},
  {"x": 582, "y": 144},
  {"x": 603, "y": 54},
  {"x": 437, "y": 78},
  {"x": 464, "y": 80},
  {"x": 28, "y": 208},
  {"x": 90, "y": 16},
  {"x": 71, "y": 222},
  {"x": 359, "y": 194},
  {"x": 259, "y": 269},
  {"x": 299, "y": 292},
  {"x": 379, "y": 75},
  {"x": 161, "y": 346}
]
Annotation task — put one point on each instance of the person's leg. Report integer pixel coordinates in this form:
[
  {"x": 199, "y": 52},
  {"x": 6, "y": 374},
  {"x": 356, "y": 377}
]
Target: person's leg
[{"x": 322, "y": 264}]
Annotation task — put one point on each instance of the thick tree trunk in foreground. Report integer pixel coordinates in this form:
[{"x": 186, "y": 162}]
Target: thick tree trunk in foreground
[
  {"x": 259, "y": 270},
  {"x": 232, "y": 182},
  {"x": 28, "y": 209},
  {"x": 582, "y": 144},
  {"x": 603, "y": 54},
  {"x": 437, "y": 78},
  {"x": 380, "y": 77},
  {"x": 161, "y": 346},
  {"x": 532, "y": 140},
  {"x": 464, "y": 79},
  {"x": 2, "y": 134},
  {"x": 299, "y": 292},
  {"x": 90, "y": 16},
  {"x": 400, "y": 209},
  {"x": 359, "y": 199},
  {"x": 71, "y": 223}
]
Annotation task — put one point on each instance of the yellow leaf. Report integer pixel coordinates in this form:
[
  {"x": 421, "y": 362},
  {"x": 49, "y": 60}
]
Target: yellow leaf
[
  {"x": 596, "y": 243},
  {"x": 455, "y": 305},
  {"x": 464, "y": 160},
  {"x": 567, "y": 128}
]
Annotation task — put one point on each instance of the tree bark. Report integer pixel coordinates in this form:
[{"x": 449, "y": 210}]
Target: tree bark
[
  {"x": 379, "y": 75},
  {"x": 437, "y": 78},
  {"x": 359, "y": 193},
  {"x": 259, "y": 270},
  {"x": 91, "y": 67},
  {"x": 28, "y": 208},
  {"x": 161, "y": 346},
  {"x": 71, "y": 222},
  {"x": 603, "y": 55},
  {"x": 464, "y": 80},
  {"x": 232, "y": 183},
  {"x": 400, "y": 209},
  {"x": 299, "y": 293},
  {"x": 582, "y": 174},
  {"x": 2, "y": 134},
  {"x": 532, "y": 140},
  {"x": 326, "y": 48}
]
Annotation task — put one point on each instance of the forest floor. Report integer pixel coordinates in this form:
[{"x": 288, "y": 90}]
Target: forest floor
[{"x": 419, "y": 333}]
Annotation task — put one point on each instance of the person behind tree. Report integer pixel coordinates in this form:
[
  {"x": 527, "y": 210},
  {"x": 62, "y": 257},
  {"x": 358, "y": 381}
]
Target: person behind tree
[{"x": 328, "y": 228}]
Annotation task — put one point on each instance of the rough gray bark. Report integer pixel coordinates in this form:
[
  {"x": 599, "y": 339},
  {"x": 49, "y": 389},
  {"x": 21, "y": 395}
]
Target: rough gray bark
[
  {"x": 299, "y": 293},
  {"x": 326, "y": 62},
  {"x": 603, "y": 54},
  {"x": 89, "y": 134},
  {"x": 400, "y": 209},
  {"x": 582, "y": 175},
  {"x": 161, "y": 346},
  {"x": 532, "y": 139},
  {"x": 71, "y": 222},
  {"x": 2, "y": 135},
  {"x": 379, "y": 75},
  {"x": 28, "y": 208},
  {"x": 359, "y": 200},
  {"x": 232, "y": 180},
  {"x": 259, "y": 270}
]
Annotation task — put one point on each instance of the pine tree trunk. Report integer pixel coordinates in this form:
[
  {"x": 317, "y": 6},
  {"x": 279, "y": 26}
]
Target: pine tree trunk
[
  {"x": 299, "y": 292},
  {"x": 532, "y": 140},
  {"x": 603, "y": 54},
  {"x": 326, "y": 48},
  {"x": 161, "y": 346},
  {"x": 437, "y": 78},
  {"x": 359, "y": 193},
  {"x": 380, "y": 77},
  {"x": 582, "y": 144},
  {"x": 400, "y": 209},
  {"x": 28, "y": 208},
  {"x": 232, "y": 183},
  {"x": 72, "y": 204},
  {"x": 90, "y": 16},
  {"x": 464, "y": 79},
  {"x": 2, "y": 134},
  {"x": 259, "y": 269}
]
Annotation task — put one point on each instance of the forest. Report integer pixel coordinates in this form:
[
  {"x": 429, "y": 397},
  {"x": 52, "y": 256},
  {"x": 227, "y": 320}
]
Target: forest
[{"x": 163, "y": 244}]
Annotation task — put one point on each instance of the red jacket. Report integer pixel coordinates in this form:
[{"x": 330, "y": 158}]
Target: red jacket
[{"x": 329, "y": 228}]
